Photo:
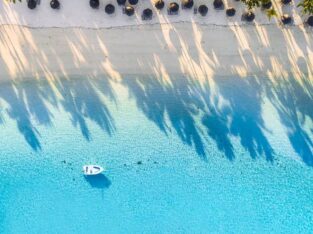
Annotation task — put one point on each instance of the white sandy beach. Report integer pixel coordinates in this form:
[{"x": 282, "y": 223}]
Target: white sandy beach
[{"x": 83, "y": 41}]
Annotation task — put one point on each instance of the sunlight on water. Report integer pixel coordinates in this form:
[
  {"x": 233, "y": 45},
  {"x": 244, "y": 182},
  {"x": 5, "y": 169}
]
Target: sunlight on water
[{"x": 234, "y": 156}]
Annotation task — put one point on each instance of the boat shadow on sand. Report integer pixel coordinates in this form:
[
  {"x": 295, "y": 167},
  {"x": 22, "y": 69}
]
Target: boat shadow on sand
[{"x": 98, "y": 181}]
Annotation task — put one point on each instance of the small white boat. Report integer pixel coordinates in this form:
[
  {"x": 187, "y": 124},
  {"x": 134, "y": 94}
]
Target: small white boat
[{"x": 92, "y": 169}]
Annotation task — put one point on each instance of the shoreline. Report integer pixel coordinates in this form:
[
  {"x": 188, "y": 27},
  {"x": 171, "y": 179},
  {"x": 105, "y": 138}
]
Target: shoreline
[{"x": 189, "y": 49}]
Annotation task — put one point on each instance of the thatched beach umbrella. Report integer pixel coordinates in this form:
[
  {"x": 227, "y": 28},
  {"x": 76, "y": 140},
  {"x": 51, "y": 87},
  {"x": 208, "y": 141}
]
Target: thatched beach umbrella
[
  {"x": 173, "y": 8},
  {"x": 132, "y": 2},
  {"x": 121, "y": 2},
  {"x": 248, "y": 16},
  {"x": 286, "y": 19},
  {"x": 109, "y": 9},
  {"x": 129, "y": 10},
  {"x": 94, "y": 4},
  {"x": 203, "y": 10},
  {"x": 267, "y": 4},
  {"x": 218, "y": 4},
  {"x": 187, "y": 4},
  {"x": 230, "y": 12},
  {"x": 55, "y": 4},
  {"x": 147, "y": 14},
  {"x": 31, "y": 4},
  {"x": 286, "y": 2},
  {"x": 310, "y": 21},
  {"x": 159, "y": 4}
]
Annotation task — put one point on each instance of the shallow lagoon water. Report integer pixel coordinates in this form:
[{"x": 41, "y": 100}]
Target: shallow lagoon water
[{"x": 230, "y": 155}]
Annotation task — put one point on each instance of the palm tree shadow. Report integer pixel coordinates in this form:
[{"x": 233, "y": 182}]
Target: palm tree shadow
[
  {"x": 17, "y": 110},
  {"x": 82, "y": 101},
  {"x": 293, "y": 102},
  {"x": 245, "y": 113},
  {"x": 181, "y": 104},
  {"x": 98, "y": 181},
  {"x": 169, "y": 106},
  {"x": 217, "y": 129},
  {"x": 28, "y": 105}
]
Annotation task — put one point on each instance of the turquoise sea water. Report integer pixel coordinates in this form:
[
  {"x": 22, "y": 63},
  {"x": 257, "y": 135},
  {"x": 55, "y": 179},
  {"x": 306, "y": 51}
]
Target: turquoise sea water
[{"x": 229, "y": 155}]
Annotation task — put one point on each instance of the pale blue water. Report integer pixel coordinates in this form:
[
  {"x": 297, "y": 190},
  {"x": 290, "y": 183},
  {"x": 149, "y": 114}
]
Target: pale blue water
[{"x": 233, "y": 156}]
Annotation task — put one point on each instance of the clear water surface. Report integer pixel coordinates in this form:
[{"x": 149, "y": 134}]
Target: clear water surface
[{"x": 228, "y": 155}]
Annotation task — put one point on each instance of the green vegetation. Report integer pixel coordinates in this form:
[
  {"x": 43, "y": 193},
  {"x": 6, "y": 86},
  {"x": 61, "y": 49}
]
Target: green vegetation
[
  {"x": 271, "y": 13},
  {"x": 251, "y": 4},
  {"x": 307, "y": 7}
]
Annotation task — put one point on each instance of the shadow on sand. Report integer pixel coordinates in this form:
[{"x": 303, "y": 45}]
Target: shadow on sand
[
  {"x": 198, "y": 113},
  {"x": 198, "y": 105}
]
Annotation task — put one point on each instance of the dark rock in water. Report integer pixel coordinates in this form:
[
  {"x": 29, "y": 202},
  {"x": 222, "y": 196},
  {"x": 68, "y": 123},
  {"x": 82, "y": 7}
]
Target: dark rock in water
[
  {"x": 286, "y": 19},
  {"x": 63, "y": 161},
  {"x": 32, "y": 4},
  {"x": 218, "y": 4},
  {"x": 173, "y": 8},
  {"x": 230, "y": 12},
  {"x": 121, "y": 2},
  {"x": 203, "y": 10},
  {"x": 159, "y": 4},
  {"x": 187, "y": 4},
  {"x": 133, "y": 2},
  {"x": 55, "y": 4},
  {"x": 109, "y": 9},
  {"x": 94, "y": 4},
  {"x": 139, "y": 162},
  {"x": 147, "y": 14},
  {"x": 129, "y": 10},
  {"x": 310, "y": 21}
]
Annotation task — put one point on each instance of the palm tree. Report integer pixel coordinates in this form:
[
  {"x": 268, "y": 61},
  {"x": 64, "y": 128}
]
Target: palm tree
[
  {"x": 307, "y": 9},
  {"x": 251, "y": 4}
]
